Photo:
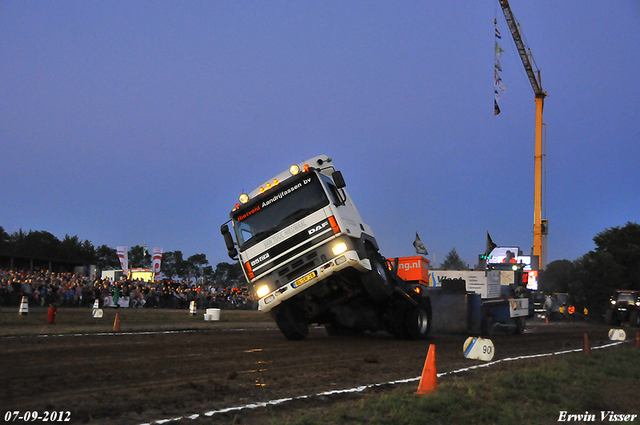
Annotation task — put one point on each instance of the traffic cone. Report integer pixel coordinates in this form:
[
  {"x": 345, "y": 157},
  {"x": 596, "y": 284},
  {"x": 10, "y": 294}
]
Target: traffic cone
[
  {"x": 429, "y": 378},
  {"x": 116, "y": 324},
  {"x": 587, "y": 349},
  {"x": 24, "y": 307},
  {"x": 192, "y": 308},
  {"x": 637, "y": 339}
]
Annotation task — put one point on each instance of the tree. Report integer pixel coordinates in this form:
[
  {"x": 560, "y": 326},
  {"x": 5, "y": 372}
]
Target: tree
[
  {"x": 139, "y": 257},
  {"x": 195, "y": 264},
  {"x": 228, "y": 275},
  {"x": 453, "y": 261},
  {"x": 107, "y": 258},
  {"x": 173, "y": 265},
  {"x": 592, "y": 278},
  {"x": 623, "y": 244},
  {"x": 557, "y": 277}
]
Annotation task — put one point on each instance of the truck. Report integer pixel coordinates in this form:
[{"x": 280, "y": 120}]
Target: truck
[
  {"x": 311, "y": 259},
  {"x": 472, "y": 301},
  {"x": 624, "y": 306}
]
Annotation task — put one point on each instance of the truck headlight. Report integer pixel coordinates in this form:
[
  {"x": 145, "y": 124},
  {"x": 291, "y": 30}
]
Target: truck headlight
[
  {"x": 339, "y": 248},
  {"x": 262, "y": 291}
]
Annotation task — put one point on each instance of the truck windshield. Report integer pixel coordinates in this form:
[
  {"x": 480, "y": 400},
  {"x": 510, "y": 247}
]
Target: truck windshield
[
  {"x": 270, "y": 212},
  {"x": 622, "y": 296}
]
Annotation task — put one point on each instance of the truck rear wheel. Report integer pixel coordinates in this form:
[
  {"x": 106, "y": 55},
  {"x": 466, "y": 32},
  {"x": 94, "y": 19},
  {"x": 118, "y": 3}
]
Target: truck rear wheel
[
  {"x": 377, "y": 281},
  {"x": 416, "y": 323},
  {"x": 291, "y": 324}
]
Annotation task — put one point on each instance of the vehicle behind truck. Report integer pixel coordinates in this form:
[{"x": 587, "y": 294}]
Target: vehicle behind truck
[
  {"x": 624, "y": 306},
  {"x": 310, "y": 258}
]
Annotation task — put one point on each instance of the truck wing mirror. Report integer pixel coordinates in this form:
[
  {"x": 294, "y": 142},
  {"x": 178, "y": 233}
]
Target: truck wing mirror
[
  {"x": 338, "y": 179},
  {"x": 228, "y": 240}
]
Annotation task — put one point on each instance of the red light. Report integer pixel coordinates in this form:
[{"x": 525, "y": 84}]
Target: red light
[
  {"x": 334, "y": 225},
  {"x": 306, "y": 168},
  {"x": 247, "y": 266}
]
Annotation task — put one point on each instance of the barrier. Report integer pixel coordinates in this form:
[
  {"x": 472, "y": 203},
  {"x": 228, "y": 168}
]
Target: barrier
[
  {"x": 192, "y": 308},
  {"x": 24, "y": 307}
]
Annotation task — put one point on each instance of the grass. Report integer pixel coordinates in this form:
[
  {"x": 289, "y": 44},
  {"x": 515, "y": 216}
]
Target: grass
[
  {"x": 80, "y": 320},
  {"x": 607, "y": 380}
]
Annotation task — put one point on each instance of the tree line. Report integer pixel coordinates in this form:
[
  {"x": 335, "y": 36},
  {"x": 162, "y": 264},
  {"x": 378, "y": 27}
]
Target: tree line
[
  {"x": 592, "y": 278},
  {"x": 42, "y": 245}
]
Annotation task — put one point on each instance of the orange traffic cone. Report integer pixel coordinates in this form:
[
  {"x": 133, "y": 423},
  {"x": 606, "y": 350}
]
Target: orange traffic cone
[
  {"x": 587, "y": 349},
  {"x": 429, "y": 378},
  {"x": 116, "y": 324}
]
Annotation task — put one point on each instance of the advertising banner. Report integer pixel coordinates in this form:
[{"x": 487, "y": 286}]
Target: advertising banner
[
  {"x": 124, "y": 259},
  {"x": 156, "y": 261}
]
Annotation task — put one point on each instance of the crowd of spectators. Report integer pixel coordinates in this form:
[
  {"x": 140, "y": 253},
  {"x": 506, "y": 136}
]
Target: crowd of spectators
[{"x": 44, "y": 288}]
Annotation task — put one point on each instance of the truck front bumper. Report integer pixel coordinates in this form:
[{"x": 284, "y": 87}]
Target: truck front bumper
[{"x": 320, "y": 273}]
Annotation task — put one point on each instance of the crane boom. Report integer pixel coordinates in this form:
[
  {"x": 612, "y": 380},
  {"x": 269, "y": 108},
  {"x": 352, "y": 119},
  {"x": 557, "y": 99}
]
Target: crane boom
[
  {"x": 522, "y": 50},
  {"x": 539, "y": 234}
]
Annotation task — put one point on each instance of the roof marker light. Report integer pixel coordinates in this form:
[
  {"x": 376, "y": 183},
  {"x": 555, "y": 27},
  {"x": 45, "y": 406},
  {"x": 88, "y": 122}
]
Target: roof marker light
[
  {"x": 294, "y": 169},
  {"x": 244, "y": 198}
]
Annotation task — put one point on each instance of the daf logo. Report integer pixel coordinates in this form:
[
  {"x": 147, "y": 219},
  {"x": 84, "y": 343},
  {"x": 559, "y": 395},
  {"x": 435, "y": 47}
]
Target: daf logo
[{"x": 318, "y": 228}]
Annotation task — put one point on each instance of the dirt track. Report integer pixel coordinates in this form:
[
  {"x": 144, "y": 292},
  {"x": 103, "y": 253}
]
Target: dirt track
[{"x": 121, "y": 378}]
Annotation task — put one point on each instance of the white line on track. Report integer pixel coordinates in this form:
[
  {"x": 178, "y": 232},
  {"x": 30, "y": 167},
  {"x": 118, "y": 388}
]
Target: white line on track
[{"x": 364, "y": 387}]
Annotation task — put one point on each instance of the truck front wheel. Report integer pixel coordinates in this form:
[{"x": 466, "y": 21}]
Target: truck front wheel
[
  {"x": 377, "y": 282},
  {"x": 291, "y": 324}
]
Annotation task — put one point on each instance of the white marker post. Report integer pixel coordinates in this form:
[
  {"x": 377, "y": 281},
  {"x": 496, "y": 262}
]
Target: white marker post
[
  {"x": 617, "y": 335},
  {"x": 476, "y": 348}
]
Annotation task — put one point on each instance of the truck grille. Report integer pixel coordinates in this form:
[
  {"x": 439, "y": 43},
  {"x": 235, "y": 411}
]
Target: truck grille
[{"x": 297, "y": 241}]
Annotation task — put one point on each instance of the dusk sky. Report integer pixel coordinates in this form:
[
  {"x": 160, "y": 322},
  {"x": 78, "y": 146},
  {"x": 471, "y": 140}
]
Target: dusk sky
[{"x": 124, "y": 121}]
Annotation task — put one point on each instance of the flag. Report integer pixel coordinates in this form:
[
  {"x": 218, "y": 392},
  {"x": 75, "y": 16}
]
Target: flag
[
  {"x": 497, "y": 65},
  {"x": 419, "y": 246},
  {"x": 124, "y": 259},
  {"x": 499, "y": 50},
  {"x": 498, "y": 81},
  {"x": 156, "y": 260},
  {"x": 496, "y": 108},
  {"x": 490, "y": 246},
  {"x": 498, "y": 35},
  {"x": 144, "y": 248}
]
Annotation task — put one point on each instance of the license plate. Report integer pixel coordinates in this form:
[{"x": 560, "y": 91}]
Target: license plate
[{"x": 304, "y": 279}]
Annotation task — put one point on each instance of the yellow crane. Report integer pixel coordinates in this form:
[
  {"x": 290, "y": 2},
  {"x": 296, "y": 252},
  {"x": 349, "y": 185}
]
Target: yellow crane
[{"x": 540, "y": 228}]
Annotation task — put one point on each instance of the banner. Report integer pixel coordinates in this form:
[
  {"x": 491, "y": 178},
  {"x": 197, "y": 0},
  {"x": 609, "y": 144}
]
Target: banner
[
  {"x": 155, "y": 261},
  {"x": 124, "y": 259}
]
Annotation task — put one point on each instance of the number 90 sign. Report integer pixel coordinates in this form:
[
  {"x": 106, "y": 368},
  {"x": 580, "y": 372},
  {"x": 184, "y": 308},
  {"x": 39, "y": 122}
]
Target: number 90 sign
[{"x": 476, "y": 348}]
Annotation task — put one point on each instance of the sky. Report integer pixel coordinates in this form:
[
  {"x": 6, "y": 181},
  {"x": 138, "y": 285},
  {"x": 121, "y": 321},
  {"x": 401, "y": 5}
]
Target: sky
[{"x": 131, "y": 121}]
